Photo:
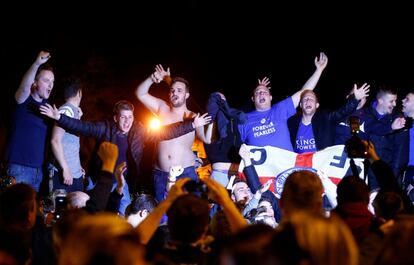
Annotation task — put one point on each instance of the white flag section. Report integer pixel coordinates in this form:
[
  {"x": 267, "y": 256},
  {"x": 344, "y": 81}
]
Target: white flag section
[{"x": 331, "y": 164}]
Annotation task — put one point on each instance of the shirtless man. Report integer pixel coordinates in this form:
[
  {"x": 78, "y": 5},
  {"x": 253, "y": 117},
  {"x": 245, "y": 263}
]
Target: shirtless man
[{"x": 177, "y": 151}]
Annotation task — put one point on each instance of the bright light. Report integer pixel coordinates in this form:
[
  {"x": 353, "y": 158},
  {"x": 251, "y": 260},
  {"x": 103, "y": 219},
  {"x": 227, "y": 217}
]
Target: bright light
[{"x": 155, "y": 124}]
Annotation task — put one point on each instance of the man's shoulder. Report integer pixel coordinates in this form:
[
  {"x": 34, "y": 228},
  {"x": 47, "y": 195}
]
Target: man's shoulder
[
  {"x": 30, "y": 101},
  {"x": 67, "y": 110},
  {"x": 163, "y": 107}
]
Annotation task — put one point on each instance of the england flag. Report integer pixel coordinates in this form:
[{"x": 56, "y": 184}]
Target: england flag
[{"x": 331, "y": 164}]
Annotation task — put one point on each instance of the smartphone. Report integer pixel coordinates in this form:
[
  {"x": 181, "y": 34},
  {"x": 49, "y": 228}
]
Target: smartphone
[{"x": 61, "y": 203}]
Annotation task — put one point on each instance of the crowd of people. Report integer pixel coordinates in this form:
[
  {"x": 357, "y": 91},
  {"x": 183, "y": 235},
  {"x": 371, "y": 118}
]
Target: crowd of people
[{"x": 52, "y": 211}]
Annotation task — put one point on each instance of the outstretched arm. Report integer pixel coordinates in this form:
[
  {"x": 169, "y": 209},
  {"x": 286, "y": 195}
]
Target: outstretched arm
[
  {"x": 23, "y": 91},
  {"x": 320, "y": 64},
  {"x": 351, "y": 105},
  {"x": 93, "y": 129},
  {"x": 142, "y": 92}
]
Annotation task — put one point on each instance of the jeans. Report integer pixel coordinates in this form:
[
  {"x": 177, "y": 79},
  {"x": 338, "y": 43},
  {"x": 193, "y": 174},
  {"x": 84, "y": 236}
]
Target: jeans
[
  {"x": 408, "y": 177},
  {"x": 161, "y": 178},
  {"x": 23, "y": 174},
  {"x": 126, "y": 199}
]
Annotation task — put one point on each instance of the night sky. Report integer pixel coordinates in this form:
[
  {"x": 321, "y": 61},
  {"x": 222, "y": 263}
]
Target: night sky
[{"x": 215, "y": 46}]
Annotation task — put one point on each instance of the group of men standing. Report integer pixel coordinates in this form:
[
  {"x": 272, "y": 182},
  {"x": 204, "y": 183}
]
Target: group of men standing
[{"x": 276, "y": 125}]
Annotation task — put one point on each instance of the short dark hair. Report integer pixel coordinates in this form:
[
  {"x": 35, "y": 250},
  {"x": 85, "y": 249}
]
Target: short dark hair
[
  {"x": 238, "y": 180},
  {"x": 140, "y": 203},
  {"x": 123, "y": 105},
  {"x": 352, "y": 189},
  {"x": 388, "y": 204},
  {"x": 302, "y": 191},
  {"x": 384, "y": 90},
  {"x": 188, "y": 218},
  {"x": 71, "y": 87},
  {"x": 16, "y": 201},
  {"x": 306, "y": 91},
  {"x": 182, "y": 80},
  {"x": 43, "y": 67}
]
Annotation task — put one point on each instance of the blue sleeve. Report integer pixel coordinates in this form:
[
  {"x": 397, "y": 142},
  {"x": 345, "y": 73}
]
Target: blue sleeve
[
  {"x": 252, "y": 178},
  {"x": 285, "y": 108}
]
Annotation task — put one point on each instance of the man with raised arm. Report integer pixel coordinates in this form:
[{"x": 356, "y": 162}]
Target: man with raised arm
[
  {"x": 267, "y": 125},
  {"x": 26, "y": 146},
  {"x": 312, "y": 129},
  {"x": 176, "y": 151}
]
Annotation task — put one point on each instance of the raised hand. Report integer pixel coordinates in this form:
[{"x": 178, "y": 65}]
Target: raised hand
[
  {"x": 120, "y": 177},
  {"x": 244, "y": 152},
  {"x": 266, "y": 186},
  {"x": 201, "y": 120},
  {"x": 361, "y": 92},
  {"x": 216, "y": 191},
  {"x": 49, "y": 111},
  {"x": 160, "y": 74},
  {"x": 108, "y": 153},
  {"x": 370, "y": 149},
  {"x": 42, "y": 57},
  {"x": 322, "y": 61},
  {"x": 265, "y": 82},
  {"x": 177, "y": 190}
]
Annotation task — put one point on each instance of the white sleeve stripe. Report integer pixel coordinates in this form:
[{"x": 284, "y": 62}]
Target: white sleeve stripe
[{"x": 67, "y": 111}]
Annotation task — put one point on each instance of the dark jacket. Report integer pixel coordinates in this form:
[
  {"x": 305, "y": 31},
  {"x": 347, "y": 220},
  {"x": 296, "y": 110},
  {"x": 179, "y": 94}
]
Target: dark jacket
[
  {"x": 323, "y": 124},
  {"x": 222, "y": 114},
  {"x": 101, "y": 194},
  {"x": 226, "y": 147},
  {"x": 401, "y": 154},
  {"x": 137, "y": 136},
  {"x": 388, "y": 144}
]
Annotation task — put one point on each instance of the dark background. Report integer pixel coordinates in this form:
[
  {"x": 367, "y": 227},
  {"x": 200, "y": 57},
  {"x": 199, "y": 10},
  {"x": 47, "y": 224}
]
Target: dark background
[{"x": 216, "y": 45}]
